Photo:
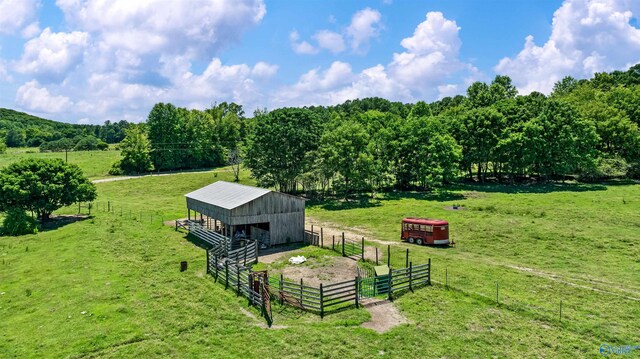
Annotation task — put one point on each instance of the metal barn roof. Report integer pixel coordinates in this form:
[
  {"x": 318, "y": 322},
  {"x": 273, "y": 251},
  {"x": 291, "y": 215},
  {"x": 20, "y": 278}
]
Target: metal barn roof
[{"x": 227, "y": 195}]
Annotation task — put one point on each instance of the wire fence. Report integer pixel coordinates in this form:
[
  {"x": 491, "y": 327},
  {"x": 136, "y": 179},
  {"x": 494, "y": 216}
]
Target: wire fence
[{"x": 129, "y": 213}]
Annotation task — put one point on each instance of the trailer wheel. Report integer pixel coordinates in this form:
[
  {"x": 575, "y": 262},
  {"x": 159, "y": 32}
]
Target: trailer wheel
[
  {"x": 411, "y": 240},
  {"x": 419, "y": 241}
]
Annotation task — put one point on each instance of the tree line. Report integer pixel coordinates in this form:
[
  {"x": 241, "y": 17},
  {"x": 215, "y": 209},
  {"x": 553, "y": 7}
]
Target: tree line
[
  {"x": 19, "y": 129},
  {"x": 585, "y": 129}
]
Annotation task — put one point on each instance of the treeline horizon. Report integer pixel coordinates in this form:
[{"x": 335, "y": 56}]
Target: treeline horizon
[{"x": 586, "y": 129}]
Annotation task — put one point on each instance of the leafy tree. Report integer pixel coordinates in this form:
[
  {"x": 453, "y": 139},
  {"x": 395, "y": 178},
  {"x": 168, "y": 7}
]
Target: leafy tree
[
  {"x": 509, "y": 90},
  {"x": 3, "y": 146},
  {"x": 90, "y": 143},
  {"x": 478, "y": 133},
  {"x": 564, "y": 86},
  {"x": 479, "y": 95},
  {"x": 42, "y": 186},
  {"x": 278, "y": 148},
  {"x": 135, "y": 151},
  {"x": 344, "y": 152}
]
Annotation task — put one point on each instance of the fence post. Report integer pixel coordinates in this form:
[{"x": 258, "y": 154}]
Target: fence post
[
  {"x": 497, "y": 293},
  {"x": 79, "y": 207},
  {"x": 208, "y": 271},
  {"x": 333, "y": 243},
  {"x": 120, "y": 211},
  {"x": 411, "y": 276},
  {"x": 357, "y": 281},
  {"x": 281, "y": 285},
  {"x": 343, "y": 244},
  {"x": 429, "y": 272},
  {"x": 321, "y": 298},
  {"x": 245, "y": 253},
  {"x": 108, "y": 206},
  {"x": 406, "y": 259},
  {"x": 215, "y": 258},
  {"x": 560, "y": 310},
  {"x": 363, "y": 249},
  {"x": 376, "y": 255},
  {"x": 249, "y": 288},
  {"x": 321, "y": 238},
  {"x": 238, "y": 281},
  {"x": 226, "y": 275},
  {"x": 390, "y": 280},
  {"x": 389, "y": 256},
  {"x": 312, "y": 234},
  {"x": 301, "y": 284}
]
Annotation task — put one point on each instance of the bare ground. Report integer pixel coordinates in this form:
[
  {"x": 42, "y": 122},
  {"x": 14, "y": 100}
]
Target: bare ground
[
  {"x": 384, "y": 316},
  {"x": 339, "y": 269}
]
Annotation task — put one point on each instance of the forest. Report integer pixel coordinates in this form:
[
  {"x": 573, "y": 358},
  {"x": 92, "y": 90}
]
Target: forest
[
  {"x": 585, "y": 129},
  {"x": 18, "y": 129}
]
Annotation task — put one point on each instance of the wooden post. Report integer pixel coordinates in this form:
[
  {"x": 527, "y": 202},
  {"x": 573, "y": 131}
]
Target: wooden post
[
  {"x": 377, "y": 256},
  {"x": 560, "y": 310},
  {"x": 363, "y": 249},
  {"x": 389, "y": 285},
  {"x": 429, "y": 272},
  {"x": 301, "y": 284},
  {"x": 321, "y": 298},
  {"x": 312, "y": 234},
  {"x": 108, "y": 206},
  {"x": 389, "y": 256},
  {"x": 281, "y": 285},
  {"x": 208, "y": 271},
  {"x": 343, "y": 244},
  {"x": 321, "y": 238},
  {"x": 120, "y": 211},
  {"x": 411, "y": 276},
  {"x": 446, "y": 277},
  {"x": 189, "y": 214},
  {"x": 245, "y": 253},
  {"x": 78, "y": 207},
  {"x": 333, "y": 243},
  {"x": 249, "y": 287},
  {"x": 237, "y": 281},
  {"x": 406, "y": 259},
  {"x": 357, "y": 280},
  {"x": 226, "y": 275},
  {"x": 215, "y": 258}
]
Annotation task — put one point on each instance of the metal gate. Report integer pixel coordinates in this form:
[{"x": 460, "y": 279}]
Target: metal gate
[{"x": 371, "y": 285}]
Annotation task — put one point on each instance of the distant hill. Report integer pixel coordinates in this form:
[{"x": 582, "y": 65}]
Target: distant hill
[{"x": 21, "y": 129}]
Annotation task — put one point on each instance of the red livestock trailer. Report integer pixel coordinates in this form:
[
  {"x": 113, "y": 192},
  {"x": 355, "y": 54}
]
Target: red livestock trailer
[{"x": 425, "y": 231}]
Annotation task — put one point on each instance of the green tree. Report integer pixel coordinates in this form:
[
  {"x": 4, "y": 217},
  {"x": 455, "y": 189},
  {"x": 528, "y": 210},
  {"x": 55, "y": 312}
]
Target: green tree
[
  {"x": 3, "y": 145},
  {"x": 42, "y": 186},
  {"x": 17, "y": 222},
  {"x": 279, "y": 145},
  {"x": 136, "y": 151},
  {"x": 344, "y": 152},
  {"x": 564, "y": 86}
]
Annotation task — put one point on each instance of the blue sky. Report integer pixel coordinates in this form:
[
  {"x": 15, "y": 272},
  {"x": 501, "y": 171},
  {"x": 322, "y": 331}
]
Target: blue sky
[{"x": 87, "y": 61}]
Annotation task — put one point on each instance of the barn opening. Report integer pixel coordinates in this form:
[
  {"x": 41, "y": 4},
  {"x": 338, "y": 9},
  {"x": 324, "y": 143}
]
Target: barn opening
[{"x": 244, "y": 213}]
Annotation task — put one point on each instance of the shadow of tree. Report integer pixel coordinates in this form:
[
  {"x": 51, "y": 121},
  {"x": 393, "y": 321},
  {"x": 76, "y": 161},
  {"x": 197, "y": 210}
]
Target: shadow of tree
[
  {"x": 532, "y": 188},
  {"x": 58, "y": 221}
]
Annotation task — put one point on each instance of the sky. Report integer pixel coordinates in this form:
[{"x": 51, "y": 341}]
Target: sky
[{"x": 88, "y": 61}]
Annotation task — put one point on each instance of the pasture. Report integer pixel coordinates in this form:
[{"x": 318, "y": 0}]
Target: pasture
[
  {"x": 95, "y": 164},
  {"x": 110, "y": 285}
]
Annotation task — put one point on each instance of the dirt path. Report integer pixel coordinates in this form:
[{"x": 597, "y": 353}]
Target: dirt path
[{"x": 384, "y": 316}]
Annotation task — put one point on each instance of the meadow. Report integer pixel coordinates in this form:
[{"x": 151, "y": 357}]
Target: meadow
[
  {"x": 95, "y": 164},
  {"x": 110, "y": 285}
]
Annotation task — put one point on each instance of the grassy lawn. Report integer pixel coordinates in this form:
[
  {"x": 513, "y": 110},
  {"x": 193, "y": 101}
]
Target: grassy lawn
[
  {"x": 110, "y": 285},
  {"x": 95, "y": 164}
]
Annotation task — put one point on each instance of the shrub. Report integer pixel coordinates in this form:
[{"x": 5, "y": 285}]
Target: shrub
[
  {"x": 17, "y": 223},
  {"x": 606, "y": 168}
]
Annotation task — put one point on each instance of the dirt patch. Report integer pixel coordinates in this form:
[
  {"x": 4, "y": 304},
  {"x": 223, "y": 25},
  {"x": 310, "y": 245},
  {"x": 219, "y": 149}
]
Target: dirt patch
[
  {"x": 384, "y": 316},
  {"x": 329, "y": 230},
  {"x": 260, "y": 322},
  {"x": 338, "y": 269}
]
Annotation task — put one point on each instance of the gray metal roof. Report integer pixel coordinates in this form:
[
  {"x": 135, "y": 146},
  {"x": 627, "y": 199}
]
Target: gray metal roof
[{"x": 227, "y": 195}]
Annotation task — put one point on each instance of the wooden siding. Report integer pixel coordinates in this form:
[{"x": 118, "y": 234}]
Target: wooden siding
[{"x": 284, "y": 213}]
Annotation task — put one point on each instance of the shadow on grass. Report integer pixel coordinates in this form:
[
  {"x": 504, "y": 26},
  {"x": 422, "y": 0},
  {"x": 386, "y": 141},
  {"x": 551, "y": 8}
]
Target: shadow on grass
[
  {"x": 336, "y": 204},
  {"x": 534, "y": 188},
  {"x": 197, "y": 241},
  {"x": 58, "y": 221}
]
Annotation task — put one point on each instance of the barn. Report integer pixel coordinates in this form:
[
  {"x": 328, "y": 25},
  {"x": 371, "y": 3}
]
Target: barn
[{"x": 245, "y": 212}]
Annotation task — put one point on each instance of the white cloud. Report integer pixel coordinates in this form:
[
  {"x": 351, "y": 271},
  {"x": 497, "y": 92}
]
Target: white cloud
[
  {"x": 302, "y": 48},
  {"x": 169, "y": 27},
  {"x": 264, "y": 70},
  {"x": 52, "y": 55},
  {"x": 365, "y": 25},
  {"x": 430, "y": 68},
  {"x": 31, "y": 30},
  {"x": 587, "y": 36},
  {"x": 33, "y": 97},
  {"x": 15, "y": 14},
  {"x": 330, "y": 40},
  {"x": 83, "y": 121}
]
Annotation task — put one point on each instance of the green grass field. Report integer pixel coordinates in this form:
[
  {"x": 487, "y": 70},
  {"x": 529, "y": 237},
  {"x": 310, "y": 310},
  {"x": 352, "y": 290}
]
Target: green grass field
[
  {"x": 110, "y": 286},
  {"x": 95, "y": 164}
]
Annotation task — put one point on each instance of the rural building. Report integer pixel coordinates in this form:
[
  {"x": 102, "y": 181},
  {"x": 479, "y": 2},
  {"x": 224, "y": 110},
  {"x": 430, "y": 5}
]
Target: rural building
[{"x": 240, "y": 211}]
